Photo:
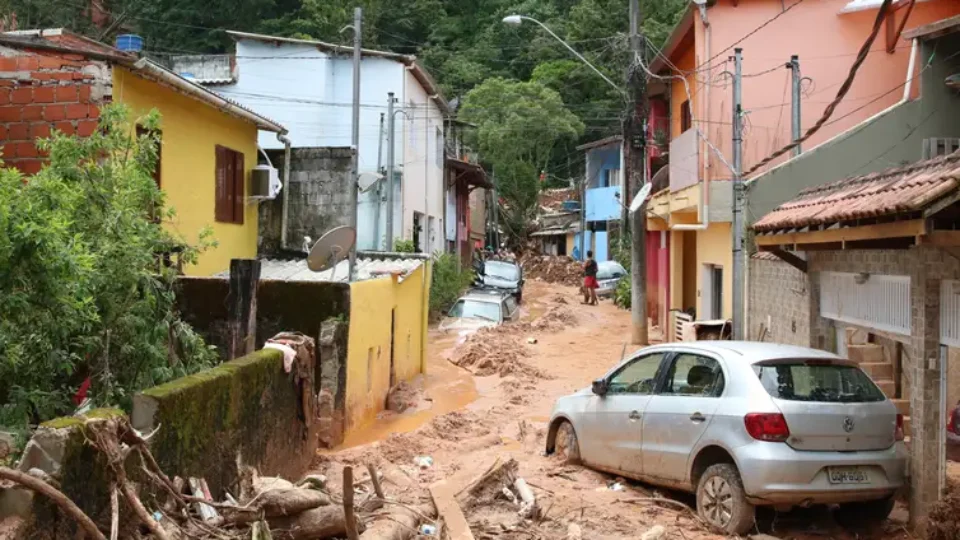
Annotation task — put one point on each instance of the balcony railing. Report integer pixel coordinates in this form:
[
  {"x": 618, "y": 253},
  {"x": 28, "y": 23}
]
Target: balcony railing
[{"x": 684, "y": 160}]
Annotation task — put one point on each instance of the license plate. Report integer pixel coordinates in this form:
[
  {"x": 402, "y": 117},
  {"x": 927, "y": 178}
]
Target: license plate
[{"x": 847, "y": 475}]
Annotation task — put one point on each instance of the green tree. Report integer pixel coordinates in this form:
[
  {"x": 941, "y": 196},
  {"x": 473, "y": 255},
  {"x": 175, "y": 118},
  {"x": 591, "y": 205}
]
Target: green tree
[
  {"x": 519, "y": 123},
  {"x": 81, "y": 289}
]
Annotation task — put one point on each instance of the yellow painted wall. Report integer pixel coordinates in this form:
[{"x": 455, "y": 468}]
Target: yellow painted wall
[
  {"x": 714, "y": 246},
  {"x": 191, "y": 131},
  {"x": 368, "y": 345},
  {"x": 570, "y": 243}
]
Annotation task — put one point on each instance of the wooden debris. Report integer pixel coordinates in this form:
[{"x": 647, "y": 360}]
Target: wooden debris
[
  {"x": 574, "y": 532},
  {"x": 351, "y": 520},
  {"x": 528, "y": 504},
  {"x": 399, "y": 524},
  {"x": 449, "y": 511},
  {"x": 322, "y": 522},
  {"x": 55, "y": 495},
  {"x": 287, "y": 502}
]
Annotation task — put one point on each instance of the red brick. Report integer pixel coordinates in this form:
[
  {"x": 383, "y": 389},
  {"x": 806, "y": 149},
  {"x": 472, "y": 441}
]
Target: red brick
[
  {"x": 85, "y": 93},
  {"x": 10, "y": 113},
  {"x": 75, "y": 57},
  {"x": 41, "y": 76},
  {"x": 7, "y": 84},
  {"x": 52, "y": 113},
  {"x": 65, "y": 127},
  {"x": 62, "y": 76},
  {"x": 9, "y": 151},
  {"x": 27, "y": 63},
  {"x": 18, "y": 132},
  {"x": 45, "y": 94},
  {"x": 3, "y": 133},
  {"x": 67, "y": 94},
  {"x": 33, "y": 112},
  {"x": 4, "y": 96},
  {"x": 8, "y": 63},
  {"x": 29, "y": 166},
  {"x": 76, "y": 112},
  {"x": 50, "y": 62},
  {"x": 85, "y": 128},
  {"x": 93, "y": 111},
  {"x": 22, "y": 95},
  {"x": 27, "y": 149},
  {"x": 39, "y": 130}
]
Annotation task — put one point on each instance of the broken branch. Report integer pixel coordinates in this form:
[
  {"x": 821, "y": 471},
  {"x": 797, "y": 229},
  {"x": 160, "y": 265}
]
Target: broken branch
[{"x": 57, "y": 497}]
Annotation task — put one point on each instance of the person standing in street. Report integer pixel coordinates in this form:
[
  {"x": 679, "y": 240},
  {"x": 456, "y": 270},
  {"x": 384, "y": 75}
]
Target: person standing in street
[{"x": 590, "y": 284}]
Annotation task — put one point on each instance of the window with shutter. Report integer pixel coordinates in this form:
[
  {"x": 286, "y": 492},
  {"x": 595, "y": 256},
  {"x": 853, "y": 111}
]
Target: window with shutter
[
  {"x": 141, "y": 131},
  {"x": 230, "y": 189}
]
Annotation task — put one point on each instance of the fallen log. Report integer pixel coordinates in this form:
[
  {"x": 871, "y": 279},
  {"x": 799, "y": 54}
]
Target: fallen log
[
  {"x": 322, "y": 522},
  {"x": 450, "y": 512},
  {"x": 400, "y": 523},
  {"x": 57, "y": 497},
  {"x": 288, "y": 502}
]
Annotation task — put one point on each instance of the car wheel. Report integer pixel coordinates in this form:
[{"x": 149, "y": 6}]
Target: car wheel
[
  {"x": 566, "y": 445},
  {"x": 863, "y": 514},
  {"x": 722, "y": 502}
]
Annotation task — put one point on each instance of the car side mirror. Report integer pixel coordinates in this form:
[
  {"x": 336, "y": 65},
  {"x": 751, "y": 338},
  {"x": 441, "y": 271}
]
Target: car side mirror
[{"x": 600, "y": 387}]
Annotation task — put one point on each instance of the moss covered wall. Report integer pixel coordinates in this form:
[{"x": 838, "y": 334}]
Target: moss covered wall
[{"x": 248, "y": 410}]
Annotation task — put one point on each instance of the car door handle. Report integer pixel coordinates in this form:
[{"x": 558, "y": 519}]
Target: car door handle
[
  {"x": 697, "y": 417},
  {"x": 634, "y": 415}
]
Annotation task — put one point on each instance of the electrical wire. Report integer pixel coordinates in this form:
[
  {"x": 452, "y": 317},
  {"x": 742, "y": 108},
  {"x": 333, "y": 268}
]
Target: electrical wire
[
  {"x": 752, "y": 32},
  {"x": 841, "y": 93}
]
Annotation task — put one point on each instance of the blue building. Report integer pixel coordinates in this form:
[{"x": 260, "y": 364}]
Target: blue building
[{"x": 604, "y": 181}]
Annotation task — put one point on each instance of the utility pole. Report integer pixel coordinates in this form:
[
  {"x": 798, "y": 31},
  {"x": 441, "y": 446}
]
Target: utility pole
[
  {"x": 495, "y": 206},
  {"x": 391, "y": 125},
  {"x": 376, "y": 215},
  {"x": 795, "y": 117},
  {"x": 634, "y": 147},
  {"x": 355, "y": 133},
  {"x": 738, "y": 275}
]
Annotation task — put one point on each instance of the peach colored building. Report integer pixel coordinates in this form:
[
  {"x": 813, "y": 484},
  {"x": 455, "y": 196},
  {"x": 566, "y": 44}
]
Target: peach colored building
[{"x": 826, "y": 36}]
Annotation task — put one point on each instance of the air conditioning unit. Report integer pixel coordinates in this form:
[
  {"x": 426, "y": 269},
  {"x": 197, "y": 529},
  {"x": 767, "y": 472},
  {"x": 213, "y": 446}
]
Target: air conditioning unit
[{"x": 265, "y": 182}]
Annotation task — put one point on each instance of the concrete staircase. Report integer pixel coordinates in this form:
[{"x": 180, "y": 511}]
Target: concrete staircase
[{"x": 871, "y": 359}]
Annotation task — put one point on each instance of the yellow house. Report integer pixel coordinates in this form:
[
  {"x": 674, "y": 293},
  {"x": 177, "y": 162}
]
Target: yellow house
[{"x": 208, "y": 148}]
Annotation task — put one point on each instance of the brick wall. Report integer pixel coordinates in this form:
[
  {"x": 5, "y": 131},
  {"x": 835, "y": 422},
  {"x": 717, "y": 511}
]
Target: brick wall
[
  {"x": 41, "y": 91},
  {"x": 779, "y": 301}
]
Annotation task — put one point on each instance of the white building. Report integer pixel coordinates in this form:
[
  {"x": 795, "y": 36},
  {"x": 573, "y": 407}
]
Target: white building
[{"x": 308, "y": 86}]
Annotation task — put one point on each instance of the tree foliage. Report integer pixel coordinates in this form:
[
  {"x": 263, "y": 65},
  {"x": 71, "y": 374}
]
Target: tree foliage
[
  {"x": 81, "y": 290},
  {"x": 518, "y": 125}
]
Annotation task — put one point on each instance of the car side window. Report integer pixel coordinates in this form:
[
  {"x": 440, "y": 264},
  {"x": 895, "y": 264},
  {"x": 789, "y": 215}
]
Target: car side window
[
  {"x": 511, "y": 304},
  {"x": 505, "y": 311},
  {"x": 637, "y": 377},
  {"x": 694, "y": 375}
]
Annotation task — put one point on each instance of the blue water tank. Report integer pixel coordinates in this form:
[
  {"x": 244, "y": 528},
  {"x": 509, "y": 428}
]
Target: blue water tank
[
  {"x": 571, "y": 206},
  {"x": 130, "y": 43}
]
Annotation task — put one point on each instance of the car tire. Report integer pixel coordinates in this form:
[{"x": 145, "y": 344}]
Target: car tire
[
  {"x": 864, "y": 514},
  {"x": 565, "y": 445},
  {"x": 722, "y": 501}
]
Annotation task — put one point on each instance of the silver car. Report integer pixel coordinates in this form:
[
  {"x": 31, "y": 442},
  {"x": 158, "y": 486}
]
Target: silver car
[
  {"x": 609, "y": 274},
  {"x": 740, "y": 424},
  {"x": 481, "y": 308}
]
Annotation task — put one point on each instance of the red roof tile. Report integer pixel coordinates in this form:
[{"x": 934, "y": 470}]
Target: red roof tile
[{"x": 895, "y": 191}]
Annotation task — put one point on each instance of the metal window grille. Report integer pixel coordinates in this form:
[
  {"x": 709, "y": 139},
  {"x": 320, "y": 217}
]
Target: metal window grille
[{"x": 873, "y": 301}]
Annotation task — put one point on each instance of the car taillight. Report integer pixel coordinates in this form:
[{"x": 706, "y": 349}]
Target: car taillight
[
  {"x": 898, "y": 432},
  {"x": 767, "y": 427}
]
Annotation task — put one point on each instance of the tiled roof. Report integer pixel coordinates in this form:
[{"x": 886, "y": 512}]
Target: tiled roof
[
  {"x": 901, "y": 190},
  {"x": 369, "y": 267},
  {"x": 551, "y": 200}
]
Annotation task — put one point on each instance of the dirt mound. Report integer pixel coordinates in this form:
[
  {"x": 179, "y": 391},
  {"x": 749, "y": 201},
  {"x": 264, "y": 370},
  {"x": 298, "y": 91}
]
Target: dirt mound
[
  {"x": 456, "y": 426},
  {"x": 402, "y": 397},
  {"x": 494, "y": 353},
  {"x": 563, "y": 270},
  {"x": 943, "y": 522}
]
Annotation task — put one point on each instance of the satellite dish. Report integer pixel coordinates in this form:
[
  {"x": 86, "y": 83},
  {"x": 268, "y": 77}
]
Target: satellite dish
[
  {"x": 367, "y": 180},
  {"x": 640, "y": 197},
  {"x": 331, "y": 248}
]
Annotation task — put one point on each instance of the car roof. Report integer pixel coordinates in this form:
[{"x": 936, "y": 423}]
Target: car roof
[
  {"x": 484, "y": 295},
  {"x": 749, "y": 351}
]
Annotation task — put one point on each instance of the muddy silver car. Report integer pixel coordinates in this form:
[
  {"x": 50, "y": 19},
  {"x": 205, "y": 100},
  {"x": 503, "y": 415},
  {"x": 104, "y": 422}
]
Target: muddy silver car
[
  {"x": 480, "y": 308},
  {"x": 740, "y": 424}
]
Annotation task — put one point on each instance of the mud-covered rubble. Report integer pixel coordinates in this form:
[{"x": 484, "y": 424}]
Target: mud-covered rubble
[{"x": 560, "y": 270}]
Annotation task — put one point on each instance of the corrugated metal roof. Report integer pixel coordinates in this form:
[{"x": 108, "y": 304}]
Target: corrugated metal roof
[
  {"x": 895, "y": 191},
  {"x": 367, "y": 268}
]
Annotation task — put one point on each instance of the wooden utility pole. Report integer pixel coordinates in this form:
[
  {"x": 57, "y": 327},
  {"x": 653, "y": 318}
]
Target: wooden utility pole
[
  {"x": 635, "y": 157},
  {"x": 242, "y": 307}
]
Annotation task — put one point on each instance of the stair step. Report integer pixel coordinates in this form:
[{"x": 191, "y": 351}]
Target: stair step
[
  {"x": 903, "y": 406},
  {"x": 866, "y": 353},
  {"x": 878, "y": 370},
  {"x": 888, "y": 387},
  {"x": 857, "y": 337}
]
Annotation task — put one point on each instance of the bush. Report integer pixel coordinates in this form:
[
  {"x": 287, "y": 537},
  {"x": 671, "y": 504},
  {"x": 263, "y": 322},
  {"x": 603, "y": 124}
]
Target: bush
[
  {"x": 621, "y": 295},
  {"x": 404, "y": 246},
  {"x": 81, "y": 291},
  {"x": 448, "y": 282},
  {"x": 622, "y": 254}
]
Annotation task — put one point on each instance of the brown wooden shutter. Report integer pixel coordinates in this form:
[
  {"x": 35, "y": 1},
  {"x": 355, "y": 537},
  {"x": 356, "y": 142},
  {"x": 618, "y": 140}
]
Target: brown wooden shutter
[
  {"x": 239, "y": 191},
  {"x": 223, "y": 210}
]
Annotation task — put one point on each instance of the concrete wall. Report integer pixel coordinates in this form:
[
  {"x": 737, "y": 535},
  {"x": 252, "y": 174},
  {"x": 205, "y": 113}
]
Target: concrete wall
[
  {"x": 927, "y": 267},
  {"x": 422, "y": 164},
  {"x": 889, "y": 140},
  {"x": 191, "y": 130},
  {"x": 319, "y": 191},
  {"x": 389, "y": 345},
  {"x": 248, "y": 411},
  {"x": 713, "y": 247},
  {"x": 778, "y": 300}
]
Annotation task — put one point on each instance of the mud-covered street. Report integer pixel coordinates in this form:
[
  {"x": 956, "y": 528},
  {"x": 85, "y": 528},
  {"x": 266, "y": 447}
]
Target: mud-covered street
[{"x": 486, "y": 400}]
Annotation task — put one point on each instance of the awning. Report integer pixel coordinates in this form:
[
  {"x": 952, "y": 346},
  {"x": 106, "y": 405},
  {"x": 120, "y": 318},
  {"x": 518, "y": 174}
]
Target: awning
[
  {"x": 470, "y": 173},
  {"x": 896, "y": 208}
]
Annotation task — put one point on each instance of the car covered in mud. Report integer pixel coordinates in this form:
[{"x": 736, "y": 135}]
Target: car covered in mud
[
  {"x": 741, "y": 425},
  {"x": 481, "y": 308},
  {"x": 503, "y": 275},
  {"x": 609, "y": 274}
]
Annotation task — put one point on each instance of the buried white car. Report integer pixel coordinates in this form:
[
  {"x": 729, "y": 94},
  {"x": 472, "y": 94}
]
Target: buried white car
[{"x": 481, "y": 308}]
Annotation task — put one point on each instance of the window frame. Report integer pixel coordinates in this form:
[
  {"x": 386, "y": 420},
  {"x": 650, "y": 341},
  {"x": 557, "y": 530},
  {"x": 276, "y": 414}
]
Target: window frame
[
  {"x": 229, "y": 185},
  {"x": 686, "y": 116},
  {"x": 670, "y": 366},
  {"x": 657, "y": 377},
  {"x": 142, "y": 130}
]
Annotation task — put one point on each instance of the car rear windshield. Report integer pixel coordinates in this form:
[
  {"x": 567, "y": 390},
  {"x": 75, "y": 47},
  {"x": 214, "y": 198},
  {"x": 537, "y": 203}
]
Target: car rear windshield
[
  {"x": 472, "y": 309},
  {"x": 817, "y": 380}
]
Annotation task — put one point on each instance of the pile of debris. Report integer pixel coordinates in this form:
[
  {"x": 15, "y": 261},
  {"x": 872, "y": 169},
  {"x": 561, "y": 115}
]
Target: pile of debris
[
  {"x": 264, "y": 508},
  {"x": 490, "y": 352},
  {"x": 561, "y": 269}
]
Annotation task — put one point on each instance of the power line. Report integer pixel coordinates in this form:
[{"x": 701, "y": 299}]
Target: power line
[{"x": 752, "y": 32}]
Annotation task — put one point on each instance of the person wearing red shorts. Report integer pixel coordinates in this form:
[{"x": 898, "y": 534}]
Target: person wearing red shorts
[{"x": 590, "y": 284}]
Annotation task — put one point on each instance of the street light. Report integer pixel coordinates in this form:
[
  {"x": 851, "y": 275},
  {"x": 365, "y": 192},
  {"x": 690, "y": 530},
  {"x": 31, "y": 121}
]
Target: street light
[{"x": 517, "y": 20}]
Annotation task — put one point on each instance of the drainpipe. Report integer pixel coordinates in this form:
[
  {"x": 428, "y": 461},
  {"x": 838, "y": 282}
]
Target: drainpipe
[
  {"x": 703, "y": 213},
  {"x": 285, "y": 189}
]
